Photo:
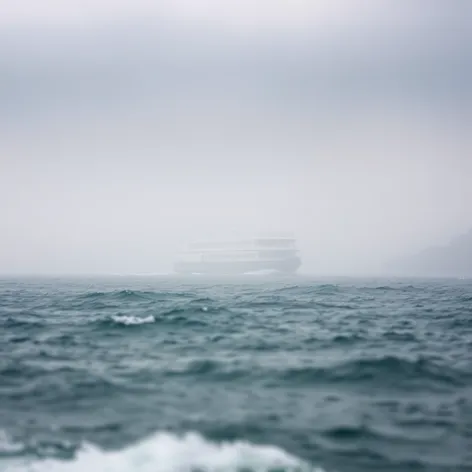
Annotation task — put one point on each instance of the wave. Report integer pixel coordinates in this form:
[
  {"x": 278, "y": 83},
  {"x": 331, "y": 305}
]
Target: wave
[
  {"x": 104, "y": 298},
  {"x": 8, "y": 445},
  {"x": 177, "y": 317},
  {"x": 387, "y": 371},
  {"x": 28, "y": 321},
  {"x": 390, "y": 371},
  {"x": 120, "y": 295},
  {"x": 165, "y": 452},
  {"x": 129, "y": 320},
  {"x": 208, "y": 368}
]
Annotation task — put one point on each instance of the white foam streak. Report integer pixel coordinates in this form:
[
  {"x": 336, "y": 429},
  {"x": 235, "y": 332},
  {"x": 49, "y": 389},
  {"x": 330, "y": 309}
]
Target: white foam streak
[
  {"x": 132, "y": 320},
  {"x": 165, "y": 452},
  {"x": 7, "y": 445}
]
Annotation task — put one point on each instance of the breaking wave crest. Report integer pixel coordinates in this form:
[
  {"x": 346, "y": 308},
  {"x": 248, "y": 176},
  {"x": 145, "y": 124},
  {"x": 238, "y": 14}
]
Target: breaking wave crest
[
  {"x": 129, "y": 320},
  {"x": 164, "y": 452},
  {"x": 8, "y": 445}
]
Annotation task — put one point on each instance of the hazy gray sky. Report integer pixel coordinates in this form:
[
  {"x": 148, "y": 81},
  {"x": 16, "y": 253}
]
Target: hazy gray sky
[
  {"x": 130, "y": 128},
  {"x": 238, "y": 14}
]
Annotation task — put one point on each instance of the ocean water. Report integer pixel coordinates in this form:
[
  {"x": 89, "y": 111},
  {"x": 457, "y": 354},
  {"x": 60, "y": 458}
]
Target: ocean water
[{"x": 166, "y": 374}]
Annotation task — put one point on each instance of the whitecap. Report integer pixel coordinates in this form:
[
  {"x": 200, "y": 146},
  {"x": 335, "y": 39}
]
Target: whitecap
[
  {"x": 132, "y": 320},
  {"x": 164, "y": 452},
  {"x": 8, "y": 445}
]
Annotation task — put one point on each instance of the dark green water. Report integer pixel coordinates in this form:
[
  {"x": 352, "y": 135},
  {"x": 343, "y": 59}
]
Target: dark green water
[{"x": 158, "y": 374}]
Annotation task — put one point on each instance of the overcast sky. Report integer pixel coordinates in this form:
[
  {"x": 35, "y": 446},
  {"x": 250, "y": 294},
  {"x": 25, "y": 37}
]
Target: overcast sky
[{"x": 128, "y": 129}]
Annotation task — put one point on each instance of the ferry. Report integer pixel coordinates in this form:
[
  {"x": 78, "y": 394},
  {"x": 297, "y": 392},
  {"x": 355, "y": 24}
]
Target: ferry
[{"x": 264, "y": 254}]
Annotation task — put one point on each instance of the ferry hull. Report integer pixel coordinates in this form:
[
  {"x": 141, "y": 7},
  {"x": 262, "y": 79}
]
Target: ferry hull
[{"x": 287, "y": 266}]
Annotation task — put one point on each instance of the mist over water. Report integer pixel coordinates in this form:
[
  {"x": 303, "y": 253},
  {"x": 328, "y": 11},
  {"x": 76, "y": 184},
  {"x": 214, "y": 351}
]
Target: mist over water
[
  {"x": 123, "y": 141},
  {"x": 130, "y": 129}
]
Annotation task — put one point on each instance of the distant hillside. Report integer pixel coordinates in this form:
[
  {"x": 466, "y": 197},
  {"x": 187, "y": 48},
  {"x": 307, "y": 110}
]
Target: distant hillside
[{"x": 455, "y": 259}]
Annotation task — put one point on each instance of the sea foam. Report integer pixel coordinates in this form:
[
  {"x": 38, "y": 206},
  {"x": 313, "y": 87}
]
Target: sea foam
[
  {"x": 164, "y": 452},
  {"x": 8, "y": 445},
  {"x": 132, "y": 320}
]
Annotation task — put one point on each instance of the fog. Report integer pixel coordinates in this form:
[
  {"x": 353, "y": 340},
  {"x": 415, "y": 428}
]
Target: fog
[{"x": 127, "y": 133}]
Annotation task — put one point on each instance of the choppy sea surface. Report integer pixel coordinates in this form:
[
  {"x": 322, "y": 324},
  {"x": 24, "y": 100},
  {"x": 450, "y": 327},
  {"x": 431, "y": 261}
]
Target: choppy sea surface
[{"x": 166, "y": 374}]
